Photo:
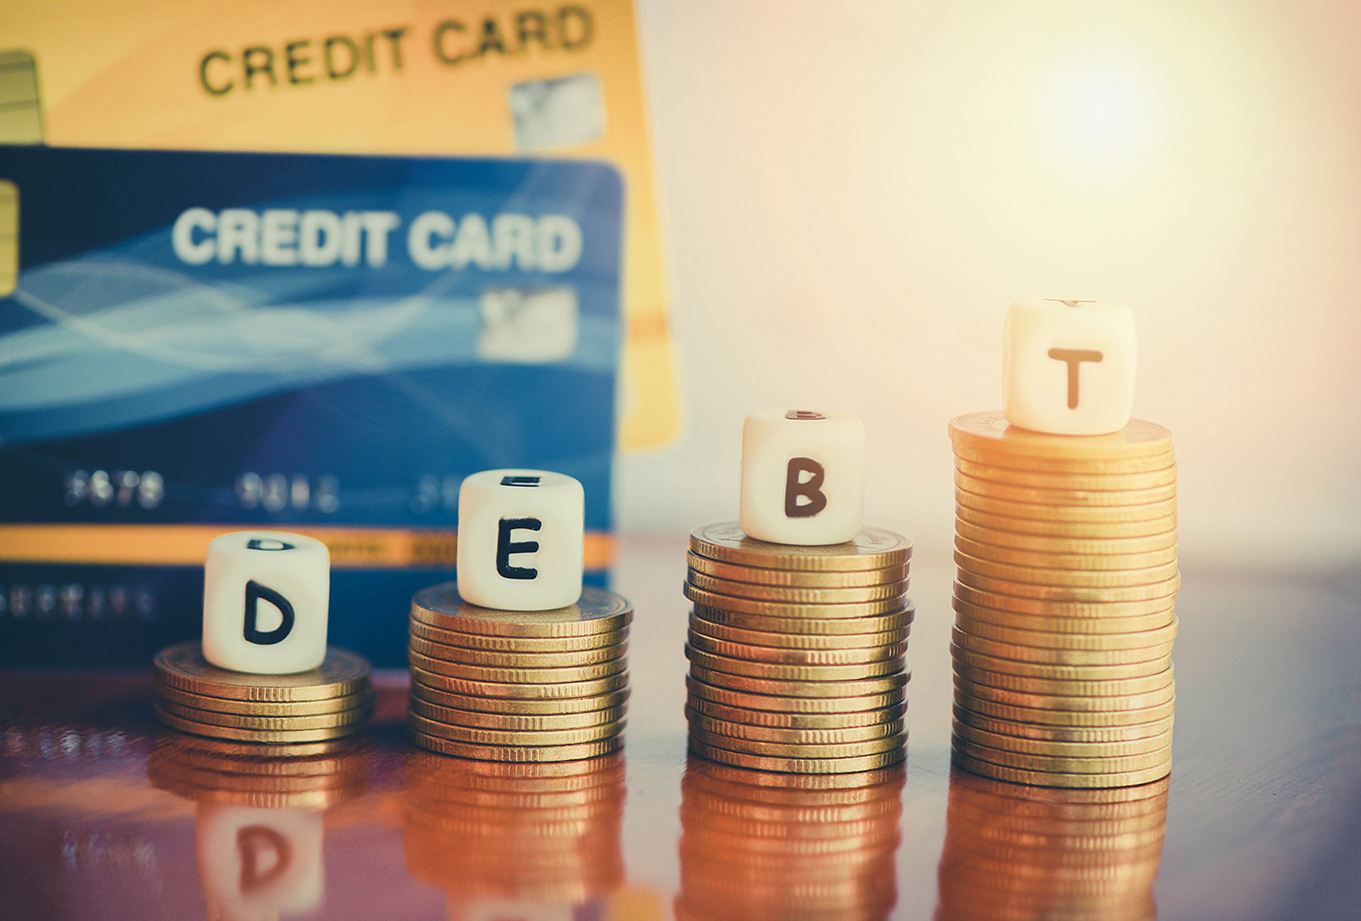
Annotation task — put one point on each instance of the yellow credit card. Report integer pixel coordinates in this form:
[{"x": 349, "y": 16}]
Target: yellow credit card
[{"x": 454, "y": 78}]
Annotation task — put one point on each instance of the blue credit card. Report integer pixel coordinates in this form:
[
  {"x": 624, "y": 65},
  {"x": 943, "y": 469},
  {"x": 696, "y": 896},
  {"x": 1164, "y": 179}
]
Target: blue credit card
[{"x": 329, "y": 344}]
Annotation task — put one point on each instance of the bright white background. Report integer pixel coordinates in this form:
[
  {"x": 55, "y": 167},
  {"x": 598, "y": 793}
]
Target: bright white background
[{"x": 855, "y": 191}]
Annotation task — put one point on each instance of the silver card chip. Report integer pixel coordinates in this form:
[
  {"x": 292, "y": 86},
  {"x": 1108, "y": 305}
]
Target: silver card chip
[{"x": 557, "y": 113}]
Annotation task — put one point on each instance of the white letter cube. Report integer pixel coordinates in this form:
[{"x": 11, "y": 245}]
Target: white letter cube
[
  {"x": 256, "y": 862},
  {"x": 266, "y": 596},
  {"x": 803, "y": 476},
  {"x": 1068, "y": 366},
  {"x": 520, "y": 539}
]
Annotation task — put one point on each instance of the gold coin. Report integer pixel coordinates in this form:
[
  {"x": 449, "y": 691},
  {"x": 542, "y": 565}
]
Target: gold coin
[
  {"x": 799, "y": 765},
  {"x": 1035, "y": 635},
  {"x": 773, "y": 672},
  {"x": 586, "y": 703},
  {"x": 1164, "y": 511},
  {"x": 780, "y": 786},
  {"x": 1044, "y": 733},
  {"x": 1050, "y": 480},
  {"x": 1075, "y": 561},
  {"x": 787, "y": 595},
  {"x": 1060, "y": 763},
  {"x": 262, "y": 707},
  {"x": 775, "y": 654},
  {"x": 1040, "y": 699},
  {"x": 984, "y": 602},
  {"x": 254, "y": 735},
  {"x": 1071, "y": 593},
  {"x": 512, "y": 753},
  {"x": 1060, "y": 545},
  {"x": 420, "y": 655},
  {"x": 518, "y": 776},
  {"x": 810, "y": 625},
  {"x": 990, "y": 431},
  {"x": 750, "y": 733},
  {"x": 267, "y": 799},
  {"x": 778, "y": 720},
  {"x": 1086, "y": 498},
  {"x": 812, "y": 641},
  {"x": 516, "y": 660},
  {"x": 512, "y": 722},
  {"x": 162, "y": 773},
  {"x": 224, "y": 755},
  {"x": 872, "y": 548},
  {"x": 1069, "y": 530},
  {"x": 520, "y": 690},
  {"x": 1061, "y": 687},
  {"x": 268, "y": 723},
  {"x": 859, "y": 578},
  {"x": 779, "y": 609},
  {"x": 597, "y": 611},
  {"x": 1046, "y": 718},
  {"x": 518, "y": 644},
  {"x": 1064, "y": 466},
  {"x": 474, "y": 736},
  {"x": 777, "y": 750},
  {"x": 789, "y": 703},
  {"x": 1050, "y": 748},
  {"x": 1039, "y": 662},
  {"x": 1080, "y": 575},
  {"x": 822, "y": 689},
  {"x": 183, "y": 667}
]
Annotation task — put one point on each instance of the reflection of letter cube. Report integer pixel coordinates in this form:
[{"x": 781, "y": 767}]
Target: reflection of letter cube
[
  {"x": 265, "y": 602},
  {"x": 520, "y": 537},
  {"x": 256, "y": 863},
  {"x": 1068, "y": 366},
  {"x": 803, "y": 476}
]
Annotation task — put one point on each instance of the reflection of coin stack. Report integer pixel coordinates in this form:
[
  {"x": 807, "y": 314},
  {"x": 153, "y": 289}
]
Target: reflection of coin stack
[
  {"x": 1017, "y": 853},
  {"x": 315, "y": 775},
  {"x": 758, "y": 845},
  {"x": 518, "y": 685},
  {"x": 333, "y": 700},
  {"x": 532, "y": 833},
  {"x": 796, "y": 652},
  {"x": 1067, "y": 556}
]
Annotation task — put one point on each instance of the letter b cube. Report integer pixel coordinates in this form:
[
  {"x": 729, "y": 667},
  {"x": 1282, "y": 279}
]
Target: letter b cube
[
  {"x": 803, "y": 476},
  {"x": 1068, "y": 366},
  {"x": 520, "y": 539},
  {"x": 266, "y": 596}
]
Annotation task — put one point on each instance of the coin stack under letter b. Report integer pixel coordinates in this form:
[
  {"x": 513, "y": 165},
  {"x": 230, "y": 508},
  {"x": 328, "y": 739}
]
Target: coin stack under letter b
[
  {"x": 1067, "y": 556},
  {"x": 797, "y": 652},
  {"x": 522, "y": 686}
]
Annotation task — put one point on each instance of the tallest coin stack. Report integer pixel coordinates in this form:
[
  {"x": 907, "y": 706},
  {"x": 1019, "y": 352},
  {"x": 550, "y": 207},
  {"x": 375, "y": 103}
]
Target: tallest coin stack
[{"x": 1067, "y": 556}]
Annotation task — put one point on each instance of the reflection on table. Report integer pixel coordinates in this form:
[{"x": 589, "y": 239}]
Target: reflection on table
[
  {"x": 1020, "y": 853},
  {"x": 758, "y": 845},
  {"x": 537, "y": 841},
  {"x": 259, "y": 819}
]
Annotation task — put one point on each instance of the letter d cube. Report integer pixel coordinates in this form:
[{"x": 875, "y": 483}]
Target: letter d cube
[
  {"x": 1068, "y": 366},
  {"x": 803, "y": 477},
  {"x": 266, "y": 596},
  {"x": 256, "y": 862},
  {"x": 520, "y": 539}
]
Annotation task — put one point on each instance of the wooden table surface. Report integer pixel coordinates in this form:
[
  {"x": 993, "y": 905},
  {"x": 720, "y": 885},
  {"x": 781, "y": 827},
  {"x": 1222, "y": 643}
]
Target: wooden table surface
[{"x": 1262, "y": 819}]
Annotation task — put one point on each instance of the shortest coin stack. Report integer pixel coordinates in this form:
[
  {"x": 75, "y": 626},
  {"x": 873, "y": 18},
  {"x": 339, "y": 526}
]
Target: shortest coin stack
[
  {"x": 333, "y": 700},
  {"x": 527, "y": 686},
  {"x": 796, "y": 653}
]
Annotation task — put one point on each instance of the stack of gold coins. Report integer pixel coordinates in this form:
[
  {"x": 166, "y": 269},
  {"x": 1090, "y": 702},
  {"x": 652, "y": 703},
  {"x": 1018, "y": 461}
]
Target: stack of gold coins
[
  {"x": 797, "y": 653},
  {"x": 1014, "y": 852},
  {"x": 518, "y": 685},
  {"x": 538, "y": 834},
  {"x": 314, "y": 775},
  {"x": 1067, "y": 555},
  {"x": 333, "y": 700},
  {"x": 761, "y": 846}
]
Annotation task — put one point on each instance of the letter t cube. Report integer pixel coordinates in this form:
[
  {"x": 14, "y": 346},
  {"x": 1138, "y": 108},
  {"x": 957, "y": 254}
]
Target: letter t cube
[{"x": 1068, "y": 366}]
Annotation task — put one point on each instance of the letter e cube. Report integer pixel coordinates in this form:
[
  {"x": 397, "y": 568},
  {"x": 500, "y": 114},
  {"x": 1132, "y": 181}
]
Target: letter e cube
[
  {"x": 266, "y": 597},
  {"x": 520, "y": 539},
  {"x": 1068, "y": 366},
  {"x": 803, "y": 477}
]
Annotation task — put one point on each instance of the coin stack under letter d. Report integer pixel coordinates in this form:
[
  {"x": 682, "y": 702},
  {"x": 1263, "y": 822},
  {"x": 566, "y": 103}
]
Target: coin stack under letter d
[{"x": 1067, "y": 554}]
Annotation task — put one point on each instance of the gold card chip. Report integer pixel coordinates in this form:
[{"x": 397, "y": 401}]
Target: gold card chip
[
  {"x": 21, "y": 120},
  {"x": 9, "y": 237}
]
